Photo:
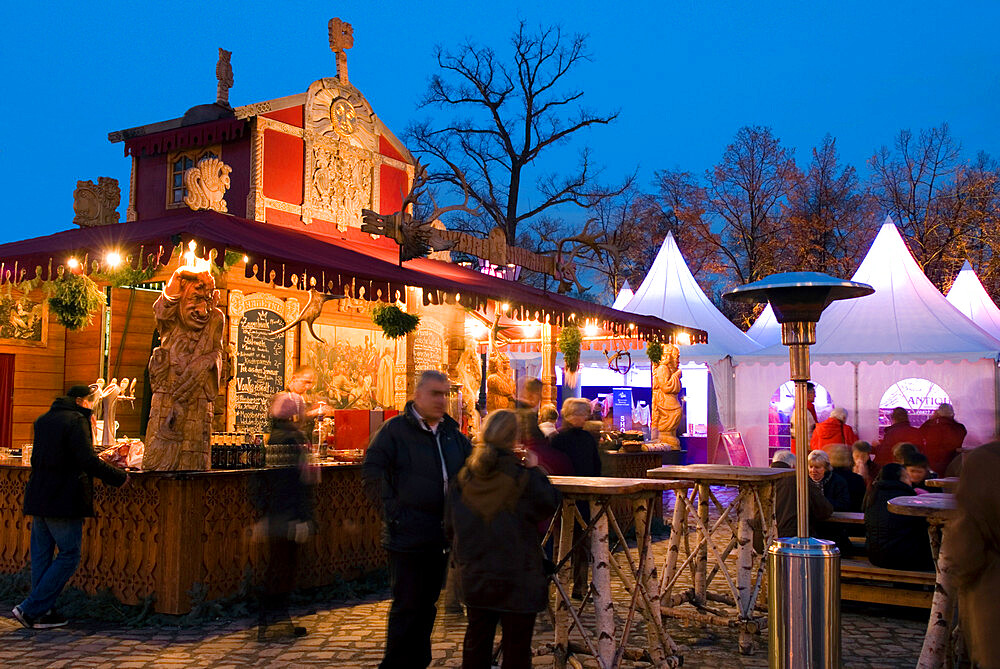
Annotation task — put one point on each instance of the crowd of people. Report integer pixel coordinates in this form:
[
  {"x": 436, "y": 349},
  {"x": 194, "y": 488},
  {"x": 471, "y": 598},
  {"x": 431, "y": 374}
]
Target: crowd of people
[
  {"x": 482, "y": 510},
  {"x": 862, "y": 478}
]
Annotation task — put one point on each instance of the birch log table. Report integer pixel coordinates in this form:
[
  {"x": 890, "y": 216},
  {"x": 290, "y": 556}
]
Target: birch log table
[
  {"x": 753, "y": 505},
  {"x": 635, "y": 568},
  {"x": 947, "y": 483},
  {"x": 938, "y": 509}
]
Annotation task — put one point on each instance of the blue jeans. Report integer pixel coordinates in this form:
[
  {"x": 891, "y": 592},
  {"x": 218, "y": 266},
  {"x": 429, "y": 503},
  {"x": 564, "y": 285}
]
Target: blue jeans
[{"x": 49, "y": 576}]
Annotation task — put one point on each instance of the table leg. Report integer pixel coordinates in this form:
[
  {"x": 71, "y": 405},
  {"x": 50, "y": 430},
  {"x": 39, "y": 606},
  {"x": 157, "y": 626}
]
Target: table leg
[
  {"x": 604, "y": 615},
  {"x": 744, "y": 567},
  {"x": 678, "y": 526},
  {"x": 936, "y": 641},
  {"x": 701, "y": 560},
  {"x": 643, "y": 507},
  {"x": 565, "y": 577}
]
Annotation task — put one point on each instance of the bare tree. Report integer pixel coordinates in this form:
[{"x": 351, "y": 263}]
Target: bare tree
[
  {"x": 832, "y": 220},
  {"x": 915, "y": 182},
  {"x": 510, "y": 109}
]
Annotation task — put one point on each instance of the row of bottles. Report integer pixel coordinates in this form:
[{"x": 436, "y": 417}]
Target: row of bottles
[{"x": 235, "y": 450}]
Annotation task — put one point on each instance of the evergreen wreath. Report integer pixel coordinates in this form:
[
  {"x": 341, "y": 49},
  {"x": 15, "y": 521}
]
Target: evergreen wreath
[
  {"x": 570, "y": 339},
  {"x": 74, "y": 298},
  {"x": 395, "y": 322}
]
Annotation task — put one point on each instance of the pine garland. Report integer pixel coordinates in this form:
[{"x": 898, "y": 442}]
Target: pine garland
[
  {"x": 395, "y": 322},
  {"x": 73, "y": 299},
  {"x": 570, "y": 340},
  {"x": 654, "y": 351}
]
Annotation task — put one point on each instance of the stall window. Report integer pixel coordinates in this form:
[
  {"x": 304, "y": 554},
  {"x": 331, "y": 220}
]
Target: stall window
[
  {"x": 919, "y": 397},
  {"x": 178, "y": 163},
  {"x": 779, "y": 415}
]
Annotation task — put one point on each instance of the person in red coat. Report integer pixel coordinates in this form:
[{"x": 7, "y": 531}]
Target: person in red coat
[
  {"x": 833, "y": 430},
  {"x": 898, "y": 432},
  {"x": 942, "y": 437}
]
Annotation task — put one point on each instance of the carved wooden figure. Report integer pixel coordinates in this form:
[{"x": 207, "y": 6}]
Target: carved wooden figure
[
  {"x": 96, "y": 204},
  {"x": 667, "y": 408},
  {"x": 224, "y": 73},
  {"x": 184, "y": 372},
  {"x": 207, "y": 183},
  {"x": 500, "y": 384}
]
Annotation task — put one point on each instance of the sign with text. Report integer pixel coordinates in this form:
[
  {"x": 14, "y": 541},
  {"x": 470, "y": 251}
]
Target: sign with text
[
  {"x": 261, "y": 363},
  {"x": 622, "y": 408}
]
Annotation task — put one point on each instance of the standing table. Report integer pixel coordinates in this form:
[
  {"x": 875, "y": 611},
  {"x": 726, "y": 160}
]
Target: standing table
[
  {"x": 754, "y": 501},
  {"x": 636, "y": 569},
  {"x": 947, "y": 483},
  {"x": 938, "y": 509}
]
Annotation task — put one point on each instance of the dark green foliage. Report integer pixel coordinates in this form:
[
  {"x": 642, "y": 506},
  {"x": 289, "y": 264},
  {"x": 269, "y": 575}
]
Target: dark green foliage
[
  {"x": 73, "y": 299},
  {"x": 570, "y": 339},
  {"x": 395, "y": 322},
  {"x": 654, "y": 351}
]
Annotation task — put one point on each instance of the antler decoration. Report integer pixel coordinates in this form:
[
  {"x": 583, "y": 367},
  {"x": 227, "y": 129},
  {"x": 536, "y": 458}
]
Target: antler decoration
[
  {"x": 416, "y": 237},
  {"x": 583, "y": 242}
]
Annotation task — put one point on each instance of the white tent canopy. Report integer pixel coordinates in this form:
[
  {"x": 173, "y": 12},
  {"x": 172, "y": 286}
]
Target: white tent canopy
[
  {"x": 968, "y": 296},
  {"x": 624, "y": 295},
  {"x": 670, "y": 288},
  {"x": 906, "y": 329},
  {"x": 766, "y": 330},
  {"x": 907, "y": 318}
]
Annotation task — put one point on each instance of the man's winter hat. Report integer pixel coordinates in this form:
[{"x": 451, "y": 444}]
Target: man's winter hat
[{"x": 78, "y": 391}]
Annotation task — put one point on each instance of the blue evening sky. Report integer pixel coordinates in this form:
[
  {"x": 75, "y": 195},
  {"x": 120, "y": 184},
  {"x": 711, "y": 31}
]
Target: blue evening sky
[{"x": 686, "y": 76}]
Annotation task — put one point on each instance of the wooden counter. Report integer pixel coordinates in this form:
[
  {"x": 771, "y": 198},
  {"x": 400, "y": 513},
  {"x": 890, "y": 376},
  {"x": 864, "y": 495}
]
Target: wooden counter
[{"x": 168, "y": 535}]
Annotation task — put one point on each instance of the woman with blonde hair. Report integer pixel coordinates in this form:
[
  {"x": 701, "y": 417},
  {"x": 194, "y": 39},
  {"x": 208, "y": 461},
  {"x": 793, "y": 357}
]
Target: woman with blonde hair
[{"x": 496, "y": 505}]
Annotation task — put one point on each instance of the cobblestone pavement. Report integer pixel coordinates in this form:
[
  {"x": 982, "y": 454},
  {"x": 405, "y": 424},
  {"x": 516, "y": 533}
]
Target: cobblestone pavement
[{"x": 351, "y": 634}]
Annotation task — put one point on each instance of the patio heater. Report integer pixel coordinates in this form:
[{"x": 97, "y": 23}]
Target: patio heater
[{"x": 803, "y": 573}]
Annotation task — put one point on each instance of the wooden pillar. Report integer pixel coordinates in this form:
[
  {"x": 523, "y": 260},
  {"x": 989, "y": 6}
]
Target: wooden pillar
[
  {"x": 701, "y": 559},
  {"x": 548, "y": 370}
]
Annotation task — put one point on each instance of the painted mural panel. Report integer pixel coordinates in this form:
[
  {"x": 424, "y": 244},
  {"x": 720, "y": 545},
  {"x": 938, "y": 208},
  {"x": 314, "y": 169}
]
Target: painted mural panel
[{"x": 356, "y": 368}]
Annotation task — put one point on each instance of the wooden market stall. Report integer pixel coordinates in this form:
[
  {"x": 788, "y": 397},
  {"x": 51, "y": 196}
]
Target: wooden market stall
[{"x": 271, "y": 194}]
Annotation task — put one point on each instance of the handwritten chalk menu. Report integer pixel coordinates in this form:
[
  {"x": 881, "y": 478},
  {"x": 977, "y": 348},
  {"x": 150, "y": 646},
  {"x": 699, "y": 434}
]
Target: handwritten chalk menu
[
  {"x": 262, "y": 362},
  {"x": 428, "y": 349}
]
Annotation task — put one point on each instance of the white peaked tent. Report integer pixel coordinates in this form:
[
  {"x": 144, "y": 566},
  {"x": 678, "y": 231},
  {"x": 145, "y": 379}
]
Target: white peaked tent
[
  {"x": 766, "y": 330},
  {"x": 969, "y": 297},
  {"x": 670, "y": 288},
  {"x": 906, "y": 329},
  {"x": 624, "y": 295}
]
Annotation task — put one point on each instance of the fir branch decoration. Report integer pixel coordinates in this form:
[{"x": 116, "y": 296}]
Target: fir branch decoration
[
  {"x": 395, "y": 322},
  {"x": 570, "y": 339},
  {"x": 654, "y": 351},
  {"x": 74, "y": 299},
  {"x": 126, "y": 275}
]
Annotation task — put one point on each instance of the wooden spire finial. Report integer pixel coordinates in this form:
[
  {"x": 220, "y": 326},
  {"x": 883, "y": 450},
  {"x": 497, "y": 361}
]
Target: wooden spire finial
[
  {"x": 224, "y": 73},
  {"x": 341, "y": 38}
]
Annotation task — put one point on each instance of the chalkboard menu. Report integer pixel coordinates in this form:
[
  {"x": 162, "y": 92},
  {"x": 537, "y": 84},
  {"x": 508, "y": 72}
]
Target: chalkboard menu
[
  {"x": 428, "y": 350},
  {"x": 260, "y": 367},
  {"x": 261, "y": 363}
]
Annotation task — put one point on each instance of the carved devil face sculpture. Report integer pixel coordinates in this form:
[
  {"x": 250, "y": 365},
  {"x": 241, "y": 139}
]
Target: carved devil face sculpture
[{"x": 198, "y": 298}]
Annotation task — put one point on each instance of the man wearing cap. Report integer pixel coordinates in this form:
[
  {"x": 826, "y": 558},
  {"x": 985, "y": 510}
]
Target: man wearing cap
[{"x": 59, "y": 495}]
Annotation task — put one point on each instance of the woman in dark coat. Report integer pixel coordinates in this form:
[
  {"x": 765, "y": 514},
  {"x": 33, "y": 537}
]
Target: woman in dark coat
[
  {"x": 496, "y": 505},
  {"x": 840, "y": 459},
  {"x": 895, "y": 541}
]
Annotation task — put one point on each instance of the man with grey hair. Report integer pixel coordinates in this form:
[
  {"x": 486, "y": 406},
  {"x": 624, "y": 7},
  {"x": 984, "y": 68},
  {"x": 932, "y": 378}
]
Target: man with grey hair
[
  {"x": 406, "y": 472},
  {"x": 943, "y": 437},
  {"x": 833, "y": 430},
  {"x": 785, "y": 511}
]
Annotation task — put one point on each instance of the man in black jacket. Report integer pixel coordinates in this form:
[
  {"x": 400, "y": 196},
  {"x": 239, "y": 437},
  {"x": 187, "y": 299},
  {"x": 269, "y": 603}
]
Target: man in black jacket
[
  {"x": 59, "y": 495},
  {"x": 406, "y": 471}
]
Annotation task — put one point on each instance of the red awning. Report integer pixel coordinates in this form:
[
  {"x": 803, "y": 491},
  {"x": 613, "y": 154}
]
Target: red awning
[{"x": 296, "y": 259}]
